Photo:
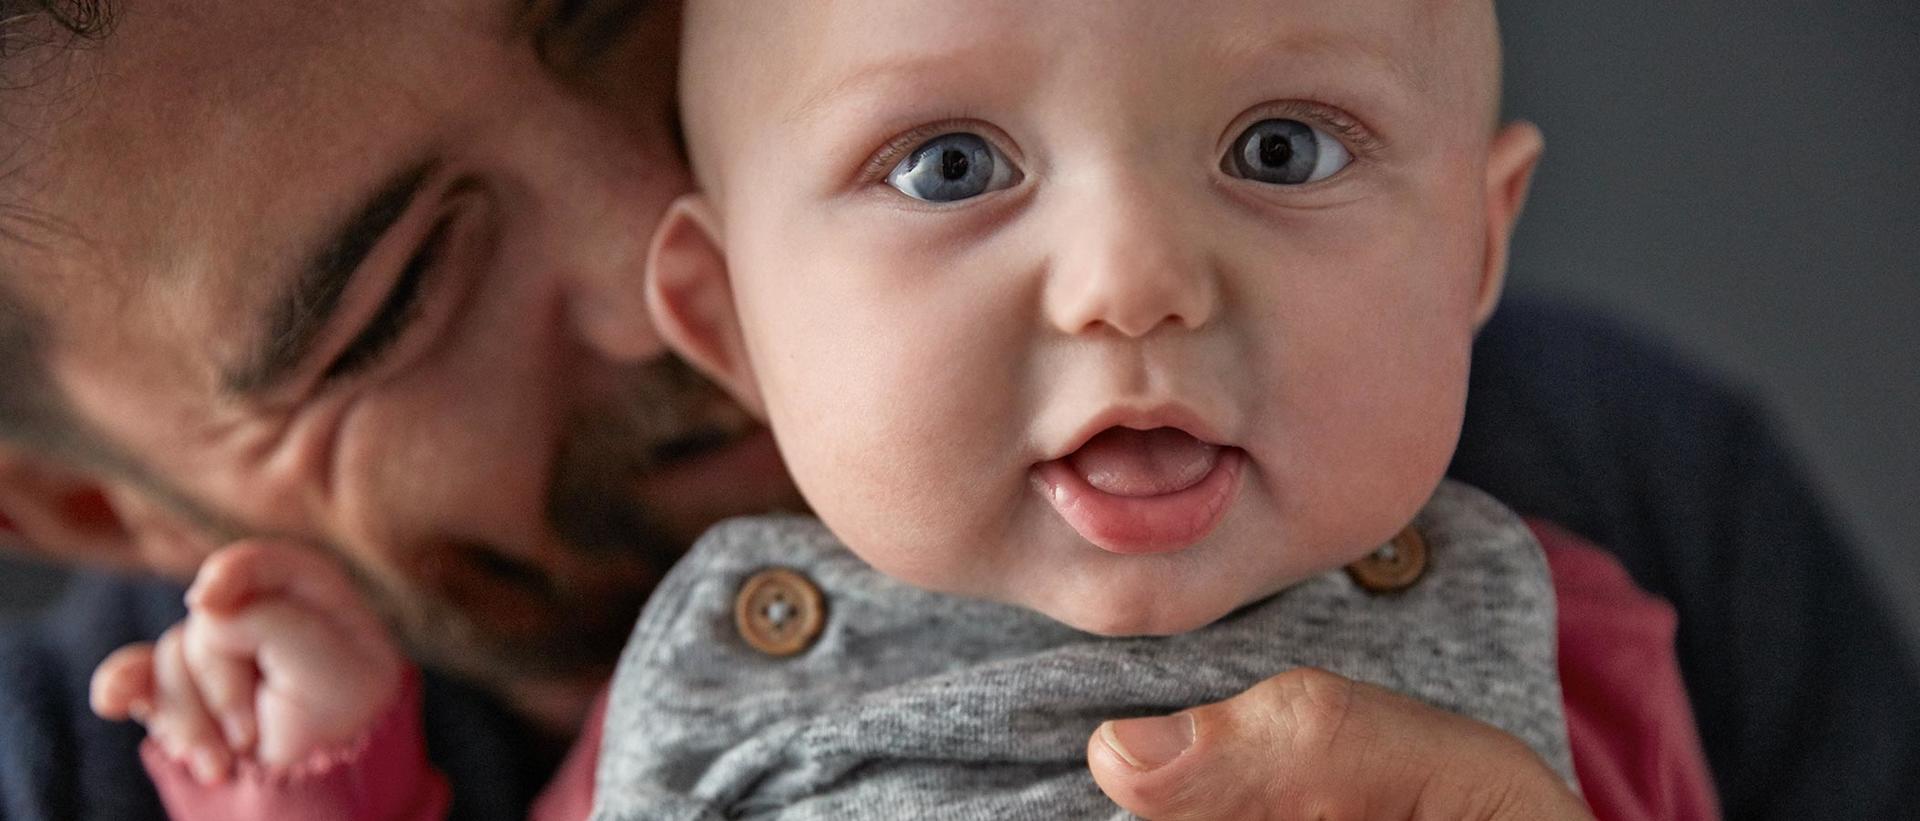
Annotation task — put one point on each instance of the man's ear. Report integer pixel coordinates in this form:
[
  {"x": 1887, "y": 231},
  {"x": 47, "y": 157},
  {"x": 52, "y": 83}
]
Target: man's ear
[
  {"x": 690, "y": 299},
  {"x": 70, "y": 515},
  {"x": 1511, "y": 159}
]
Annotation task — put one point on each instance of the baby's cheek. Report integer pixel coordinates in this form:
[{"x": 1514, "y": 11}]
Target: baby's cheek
[{"x": 906, "y": 468}]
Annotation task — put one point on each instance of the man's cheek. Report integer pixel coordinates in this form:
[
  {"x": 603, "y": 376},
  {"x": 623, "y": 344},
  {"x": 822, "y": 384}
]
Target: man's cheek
[{"x": 426, "y": 465}]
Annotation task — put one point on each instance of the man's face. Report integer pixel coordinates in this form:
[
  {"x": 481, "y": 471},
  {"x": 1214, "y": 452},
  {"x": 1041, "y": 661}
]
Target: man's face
[{"x": 369, "y": 275}]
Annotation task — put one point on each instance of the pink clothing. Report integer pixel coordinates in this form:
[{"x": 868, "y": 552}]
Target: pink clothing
[
  {"x": 383, "y": 776},
  {"x": 1635, "y": 748}
]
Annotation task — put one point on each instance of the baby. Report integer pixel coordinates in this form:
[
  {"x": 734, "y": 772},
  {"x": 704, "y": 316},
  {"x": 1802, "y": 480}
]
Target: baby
[
  {"x": 1124, "y": 347},
  {"x": 1131, "y": 315}
]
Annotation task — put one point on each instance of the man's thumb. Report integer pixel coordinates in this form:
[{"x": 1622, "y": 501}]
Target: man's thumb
[
  {"x": 1168, "y": 768},
  {"x": 1311, "y": 744}
]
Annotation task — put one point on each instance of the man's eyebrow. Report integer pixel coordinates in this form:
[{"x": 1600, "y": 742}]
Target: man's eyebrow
[{"x": 296, "y": 317}]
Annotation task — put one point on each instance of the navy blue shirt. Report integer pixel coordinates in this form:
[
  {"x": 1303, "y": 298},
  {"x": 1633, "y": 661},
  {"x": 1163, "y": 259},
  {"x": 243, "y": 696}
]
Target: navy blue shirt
[{"x": 1804, "y": 695}]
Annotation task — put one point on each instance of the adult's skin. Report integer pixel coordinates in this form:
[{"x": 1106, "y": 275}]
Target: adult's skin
[{"x": 367, "y": 276}]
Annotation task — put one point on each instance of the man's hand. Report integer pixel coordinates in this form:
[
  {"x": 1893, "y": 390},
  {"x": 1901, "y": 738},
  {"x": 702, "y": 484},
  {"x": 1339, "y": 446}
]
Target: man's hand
[
  {"x": 279, "y": 659},
  {"x": 1308, "y": 744}
]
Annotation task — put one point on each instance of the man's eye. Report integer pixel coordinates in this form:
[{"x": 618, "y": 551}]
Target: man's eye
[
  {"x": 1285, "y": 152},
  {"x": 569, "y": 34},
  {"x": 952, "y": 167},
  {"x": 397, "y": 312}
]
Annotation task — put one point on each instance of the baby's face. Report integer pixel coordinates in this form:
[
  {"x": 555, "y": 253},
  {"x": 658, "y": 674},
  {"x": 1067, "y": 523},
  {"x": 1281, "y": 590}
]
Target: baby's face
[{"x": 1130, "y": 312}]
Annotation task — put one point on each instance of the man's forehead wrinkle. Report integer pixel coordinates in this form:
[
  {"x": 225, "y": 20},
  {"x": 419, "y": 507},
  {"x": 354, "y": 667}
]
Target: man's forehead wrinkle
[
  {"x": 163, "y": 121},
  {"x": 24, "y": 227}
]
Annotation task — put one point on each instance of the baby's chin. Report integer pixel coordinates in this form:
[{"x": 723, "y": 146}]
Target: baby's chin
[{"x": 1118, "y": 617}]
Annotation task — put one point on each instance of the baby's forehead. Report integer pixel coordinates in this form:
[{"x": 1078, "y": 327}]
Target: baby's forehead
[
  {"x": 784, "y": 60},
  {"x": 1424, "y": 34}
]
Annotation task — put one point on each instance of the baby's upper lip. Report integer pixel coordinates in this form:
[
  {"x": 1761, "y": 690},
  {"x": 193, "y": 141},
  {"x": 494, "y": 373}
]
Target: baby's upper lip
[{"x": 1141, "y": 417}]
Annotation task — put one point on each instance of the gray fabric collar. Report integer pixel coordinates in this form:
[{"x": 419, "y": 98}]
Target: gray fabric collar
[{"x": 914, "y": 704}]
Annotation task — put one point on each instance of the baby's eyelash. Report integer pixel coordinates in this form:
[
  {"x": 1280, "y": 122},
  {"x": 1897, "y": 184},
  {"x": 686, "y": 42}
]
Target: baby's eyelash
[
  {"x": 1360, "y": 139},
  {"x": 896, "y": 149}
]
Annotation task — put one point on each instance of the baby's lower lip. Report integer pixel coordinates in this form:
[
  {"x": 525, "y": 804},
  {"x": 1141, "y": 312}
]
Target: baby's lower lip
[{"x": 1131, "y": 525}]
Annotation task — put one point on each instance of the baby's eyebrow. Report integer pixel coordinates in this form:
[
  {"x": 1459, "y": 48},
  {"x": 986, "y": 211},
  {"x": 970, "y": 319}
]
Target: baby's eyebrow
[
  {"x": 896, "y": 70},
  {"x": 1258, "y": 48},
  {"x": 1250, "y": 51}
]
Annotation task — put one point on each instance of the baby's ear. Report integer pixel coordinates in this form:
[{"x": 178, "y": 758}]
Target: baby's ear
[
  {"x": 690, "y": 298},
  {"x": 1511, "y": 158}
]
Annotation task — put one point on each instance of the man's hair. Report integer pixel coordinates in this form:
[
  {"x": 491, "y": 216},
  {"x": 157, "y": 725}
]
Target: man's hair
[
  {"x": 30, "y": 25},
  {"x": 33, "y": 410},
  {"x": 80, "y": 18}
]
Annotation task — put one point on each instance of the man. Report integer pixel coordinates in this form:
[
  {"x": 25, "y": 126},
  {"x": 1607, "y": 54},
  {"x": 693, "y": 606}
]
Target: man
[{"x": 367, "y": 276}]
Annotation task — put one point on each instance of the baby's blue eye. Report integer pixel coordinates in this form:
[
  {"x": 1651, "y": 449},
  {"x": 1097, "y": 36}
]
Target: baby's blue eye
[
  {"x": 952, "y": 167},
  {"x": 1285, "y": 152}
]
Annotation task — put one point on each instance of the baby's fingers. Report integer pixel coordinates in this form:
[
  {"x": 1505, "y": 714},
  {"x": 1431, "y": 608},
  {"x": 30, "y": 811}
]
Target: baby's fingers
[
  {"x": 122, "y": 686},
  {"x": 313, "y": 682},
  {"x": 246, "y": 572},
  {"x": 226, "y": 681},
  {"x": 180, "y": 722}
]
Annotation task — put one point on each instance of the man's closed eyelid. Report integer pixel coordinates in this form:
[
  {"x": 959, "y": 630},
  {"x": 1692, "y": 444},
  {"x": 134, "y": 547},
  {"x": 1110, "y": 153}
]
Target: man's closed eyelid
[
  {"x": 427, "y": 297},
  {"x": 397, "y": 312}
]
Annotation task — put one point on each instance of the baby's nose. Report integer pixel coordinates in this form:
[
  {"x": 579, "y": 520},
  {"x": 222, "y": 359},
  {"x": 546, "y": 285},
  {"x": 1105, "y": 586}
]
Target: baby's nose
[{"x": 1133, "y": 268}]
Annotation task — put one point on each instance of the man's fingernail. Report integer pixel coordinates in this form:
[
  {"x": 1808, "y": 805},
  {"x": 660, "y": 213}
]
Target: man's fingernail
[{"x": 1149, "y": 743}]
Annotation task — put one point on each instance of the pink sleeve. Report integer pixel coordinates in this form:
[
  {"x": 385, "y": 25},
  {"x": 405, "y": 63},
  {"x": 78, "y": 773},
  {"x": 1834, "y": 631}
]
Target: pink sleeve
[
  {"x": 1635, "y": 747},
  {"x": 383, "y": 777},
  {"x": 569, "y": 796}
]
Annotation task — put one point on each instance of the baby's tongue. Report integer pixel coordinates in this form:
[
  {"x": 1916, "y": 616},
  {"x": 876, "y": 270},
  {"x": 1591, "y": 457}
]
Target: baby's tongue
[{"x": 1126, "y": 462}]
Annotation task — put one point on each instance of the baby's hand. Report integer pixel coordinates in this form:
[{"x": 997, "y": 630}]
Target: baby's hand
[{"x": 278, "y": 660}]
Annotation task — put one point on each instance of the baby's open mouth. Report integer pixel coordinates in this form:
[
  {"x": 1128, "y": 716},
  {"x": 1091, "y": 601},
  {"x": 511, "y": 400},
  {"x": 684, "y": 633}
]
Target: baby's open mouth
[
  {"x": 1128, "y": 462},
  {"x": 1142, "y": 491}
]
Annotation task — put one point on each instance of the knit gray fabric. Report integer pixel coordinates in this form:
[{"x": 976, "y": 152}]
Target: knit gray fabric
[{"x": 917, "y": 705}]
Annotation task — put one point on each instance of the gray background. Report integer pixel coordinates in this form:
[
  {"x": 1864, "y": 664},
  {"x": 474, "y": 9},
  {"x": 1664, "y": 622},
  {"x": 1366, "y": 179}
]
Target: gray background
[
  {"x": 1743, "y": 178},
  {"x": 1738, "y": 177}
]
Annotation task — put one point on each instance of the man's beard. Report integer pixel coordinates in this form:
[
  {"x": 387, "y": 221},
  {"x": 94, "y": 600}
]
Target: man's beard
[
  {"x": 610, "y": 548},
  {"x": 663, "y": 413}
]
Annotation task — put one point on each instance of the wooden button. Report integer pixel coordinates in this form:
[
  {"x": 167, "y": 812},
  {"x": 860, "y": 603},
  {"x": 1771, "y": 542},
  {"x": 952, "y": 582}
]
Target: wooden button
[
  {"x": 779, "y": 612},
  {"x": 1395, "y": 566}
]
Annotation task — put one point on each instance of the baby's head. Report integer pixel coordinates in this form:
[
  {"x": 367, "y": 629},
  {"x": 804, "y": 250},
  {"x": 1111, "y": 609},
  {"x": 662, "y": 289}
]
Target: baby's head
[{"x": 1129, "y": 312}]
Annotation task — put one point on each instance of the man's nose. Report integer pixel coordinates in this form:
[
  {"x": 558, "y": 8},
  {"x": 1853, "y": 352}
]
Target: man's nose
[{"x": 1129, "y": 263}]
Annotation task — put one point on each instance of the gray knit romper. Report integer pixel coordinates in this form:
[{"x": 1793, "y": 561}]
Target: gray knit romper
[{"x": 911, "y": 704}]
